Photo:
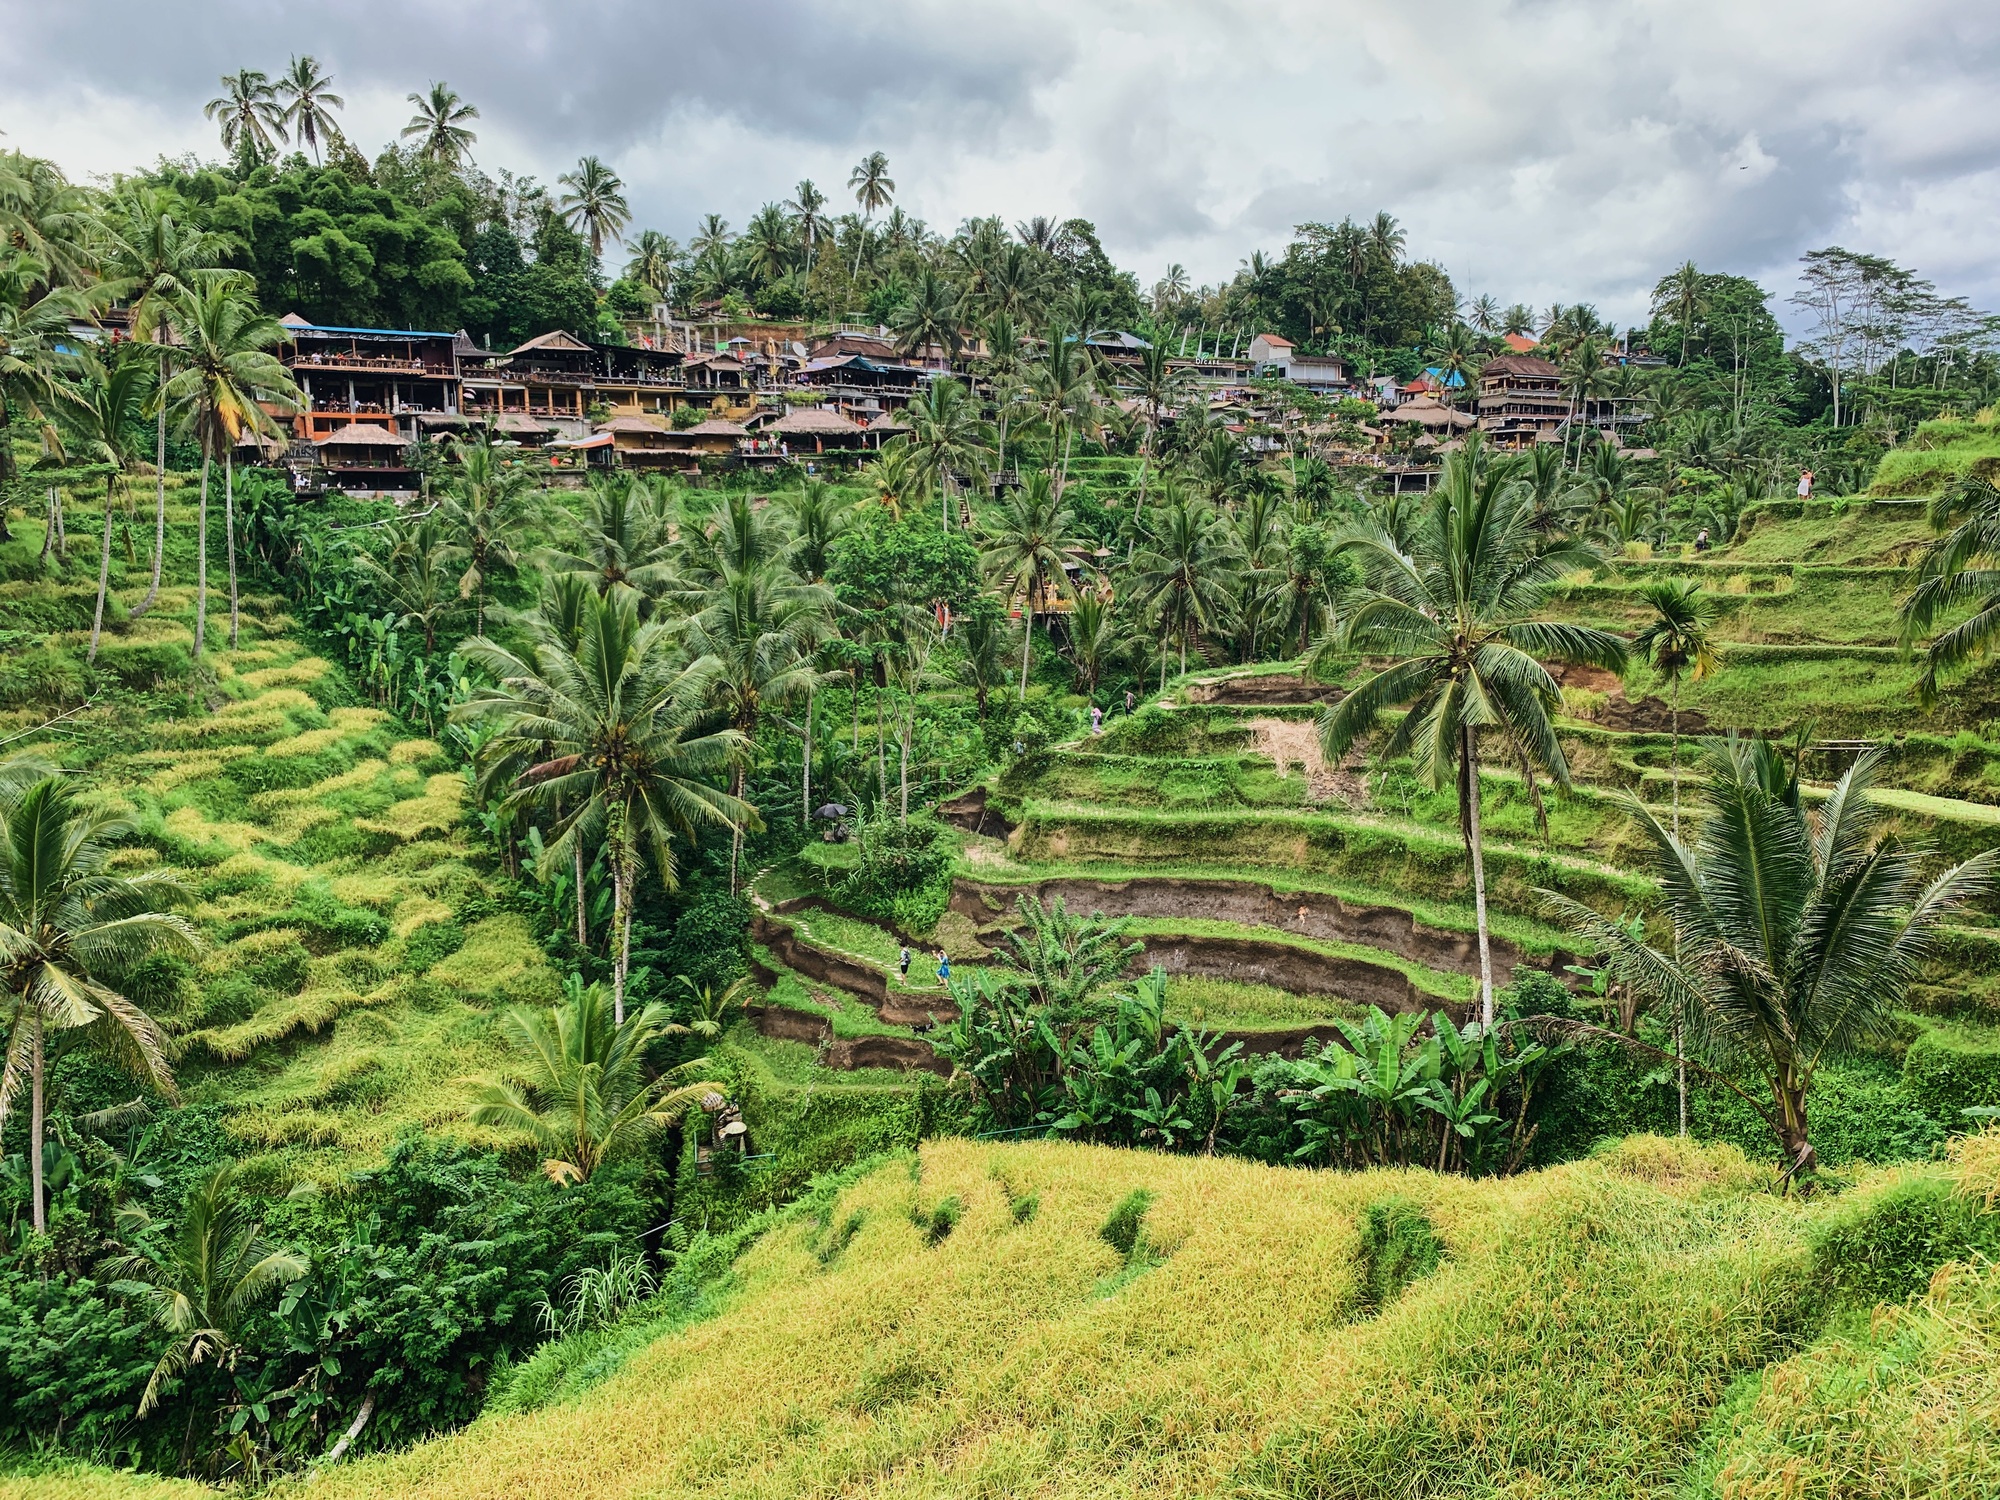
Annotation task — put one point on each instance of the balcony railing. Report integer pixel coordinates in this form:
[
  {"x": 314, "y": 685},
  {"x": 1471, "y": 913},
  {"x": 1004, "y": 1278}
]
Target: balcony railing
[{"x": 369, "y": 363}]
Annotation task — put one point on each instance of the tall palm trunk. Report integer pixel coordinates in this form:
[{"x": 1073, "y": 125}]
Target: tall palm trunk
[
  {"x": 735, "y": 830},
  {"x": 103, "y": 571},
  {"x": 229, "y": 539},
  {"x": 1680, "y": 1036},
  {"x": 201, "y": 561},
  {"x": 806, "y": 768},
  {"x": 35, "y": 1112},
  {"x": 1469, "y": 793},
  {"x": 159, "y": 511},
  {"x": 1027, "y": 637},
  {"x": 1139, "y": 504},
  {"x": 621, "y": 924}
]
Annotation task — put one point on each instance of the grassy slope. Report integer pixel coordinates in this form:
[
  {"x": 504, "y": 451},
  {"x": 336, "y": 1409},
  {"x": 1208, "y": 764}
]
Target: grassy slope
[
  {"x": 1589, "y": 1321},
  {"x": 327, "y": 852}
]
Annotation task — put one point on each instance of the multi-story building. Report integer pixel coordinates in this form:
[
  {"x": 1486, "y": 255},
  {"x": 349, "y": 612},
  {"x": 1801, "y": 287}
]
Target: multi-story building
[{"x": 384, "y": 377}]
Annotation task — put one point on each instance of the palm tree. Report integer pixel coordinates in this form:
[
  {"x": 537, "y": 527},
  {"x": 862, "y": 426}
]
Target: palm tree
[
  {"x": 158, "y": 259},
  {"x": 487, "y": 505},
  {"x": 753, "y": 643},
  {"x": 1028, "y": 539},
  {"x": 818, "y": 514},
  {"x": 1961, "y": 567},
  {"x": 416, "y": 575},
  {"x": 67, "y": 923},
  {"x": 595, "y": 204},
  {"x": 579, "y": 1082},
  {"x": 611, "y": 730},
  {"x": 1063, "y": 392},
  {"x": 1456, "y": 358},
  {"x": 1796, "y": 934},
  {"x": 806, "y": 207},
  {"x": 985, "y": 650},
  {"x": 309, "y": 115},
  {"x": 896, "y": 476},
  {"x": 1159, "y": 386},
  {"x": 1098, "y": 641},
  {"x": 1584, "y": 378},
  {"x": 928, "y": 317},
  {"x": 1485, "y": 314},
  {"x": 226, "y": 371},
  {"x": 248, "y": 111},
  {"x": 1454, "y": 610},
  {"x": 871, "y": 184},
  {"x": 1683, "y": 296},
  {"x": 624, "y": 532},
  {"x": 106, "y": 408},
  {"x": 1676, "y": 644},
  {"x": 1184, "y": 572},
  {"x": 202, "y": 1286},
  {"x": 652, "y": 262},
  {"x": 768, "y": 244},
  {"x": 439, "y": 125},
  {"x": 946, "y": 433},
  {"x": 35, "y": 350}
]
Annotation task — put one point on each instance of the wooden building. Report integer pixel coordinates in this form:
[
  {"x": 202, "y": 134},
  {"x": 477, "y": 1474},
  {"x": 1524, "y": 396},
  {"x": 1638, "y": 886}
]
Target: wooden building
[
  {"x": 387, "y": 378},
  {"x": 1520, "y": 400}
]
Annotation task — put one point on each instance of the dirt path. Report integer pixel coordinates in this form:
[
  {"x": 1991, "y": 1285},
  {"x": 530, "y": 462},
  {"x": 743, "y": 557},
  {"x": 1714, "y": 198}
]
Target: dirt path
[{"x": 1293, "y": 743}]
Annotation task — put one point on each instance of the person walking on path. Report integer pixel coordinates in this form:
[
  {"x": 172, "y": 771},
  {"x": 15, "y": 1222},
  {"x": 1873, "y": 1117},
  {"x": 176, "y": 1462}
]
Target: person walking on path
[
  {"x": 1128, "y": 700},
  {"x": 944, "y": 970},
  {"x": 1096, "y": 719},
  {"x": 903, "y": 963},
  {"x": 1805, "y": 484}
]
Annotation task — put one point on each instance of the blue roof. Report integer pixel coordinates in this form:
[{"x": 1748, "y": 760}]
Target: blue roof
[
  {"x": 1453, "y": 379},
  {"x": 390, "y": 333}
]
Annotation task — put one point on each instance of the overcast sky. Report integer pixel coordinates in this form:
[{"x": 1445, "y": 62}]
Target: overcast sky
[{"x": 1541, "y": 150}]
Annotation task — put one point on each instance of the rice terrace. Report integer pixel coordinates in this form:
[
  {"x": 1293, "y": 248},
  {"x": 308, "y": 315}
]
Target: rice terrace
[{"x": 916, "y": 752}]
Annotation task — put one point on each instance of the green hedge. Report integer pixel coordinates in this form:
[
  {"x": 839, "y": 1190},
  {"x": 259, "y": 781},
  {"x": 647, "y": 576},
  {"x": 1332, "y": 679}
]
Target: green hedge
[{"x": 1945, "y": 1072}]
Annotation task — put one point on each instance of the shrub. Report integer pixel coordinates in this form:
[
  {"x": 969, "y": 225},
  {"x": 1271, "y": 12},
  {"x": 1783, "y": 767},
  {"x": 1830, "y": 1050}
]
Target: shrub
[
  {"x": 903, "y": 873},
  {"x": 1884, "y": 1245},
  {"x": 430, "y": 943},
  {"x": 42, "y": 677},
  {"x": 938, "y": 1224},
  {"x": 1945, "y": 1073},
  {"x": 1397, "y": 1246},
  {"x": 1123, "y": 1230}
]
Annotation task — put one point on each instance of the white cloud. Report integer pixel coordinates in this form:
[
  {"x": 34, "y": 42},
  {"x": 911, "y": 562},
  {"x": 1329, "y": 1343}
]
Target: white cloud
[{"x": 1539, "y": 149}]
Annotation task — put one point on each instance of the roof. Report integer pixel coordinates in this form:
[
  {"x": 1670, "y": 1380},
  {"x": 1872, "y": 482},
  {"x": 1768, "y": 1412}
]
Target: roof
[
  {"x": 812, "y": 421},
  {"x": 888, "y": 422},
  {"x": 1520, "y": 343},
  {"x": 1428, "y": 412},
  {"x": 554, "y": 339},
  {"x": 1275, "y": 340},
  {"x": 595, "y": 440},
  {"x": 519, "y": 421},
  {"x": 1520, "y": 364},
  {"x": 298, "y": 324},
  {"x": 359, "y": 435},
  {"x": 631, "y": 424},
  {"x": 716, "y": 427}
]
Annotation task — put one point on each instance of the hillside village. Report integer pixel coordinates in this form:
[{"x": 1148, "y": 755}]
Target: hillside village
[{"x": 851, "y": 859}]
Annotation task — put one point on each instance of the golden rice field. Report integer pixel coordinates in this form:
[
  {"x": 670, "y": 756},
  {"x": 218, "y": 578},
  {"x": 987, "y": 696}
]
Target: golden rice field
[{"x": 1585, "y": 1327}]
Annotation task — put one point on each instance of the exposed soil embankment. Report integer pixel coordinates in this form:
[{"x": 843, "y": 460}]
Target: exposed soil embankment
[
  {"x": 859, "y": 979},
  {"x": 903, "y": 1052},
  {"x": 1299, "y": 971},
  {"x": 1253, "y": 692},
  {"x": 1250, "y": 904},
  {"x": 971, "y": 813},
  {"x": 1620, "y": 713}
]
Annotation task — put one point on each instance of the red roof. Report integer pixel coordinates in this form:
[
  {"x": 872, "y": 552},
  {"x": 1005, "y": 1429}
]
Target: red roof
[
  {"x": 1275, "y": 340},
  {"x": 1520, "y": 343}
]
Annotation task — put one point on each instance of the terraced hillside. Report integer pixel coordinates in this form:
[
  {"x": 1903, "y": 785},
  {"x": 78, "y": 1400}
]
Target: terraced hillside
[
  {"x": 1280, "y": 893},
  {"x": 1066, "y": 1320}
]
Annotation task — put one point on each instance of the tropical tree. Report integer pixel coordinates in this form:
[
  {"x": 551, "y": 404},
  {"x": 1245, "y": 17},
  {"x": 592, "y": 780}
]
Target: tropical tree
[
  {"x": 1677, "y": 644},
  {"x": 418, "y": 575},
  {"x": 652, "y": 262},
  {"x": 595, "y": 204},
  {"x": 226, "y": 374},
  {"x": 1063, "y": 390},
  {"x": 807, "y": 207},
  {"x": 439, "y": 127},
  {"x": 896, "y": 476},
  {"x": 611, "y": 730},
  {"x": 203, "y": 1284},
  {"x": 1683, "y": 296},
  {"x": 1098, "y": 642},
  {"x": 1184, "y": 572},
  {"x": 768, "y": 244},
  {"x": 35, "y": 350},
  {"x": 1028, "y": 538},
  {"x": 157, "y": 259},
  {"x": 1961, "y": 567},
  {"x": 1454, "y": 610},
  {"x": 1160, "y": 386},
  {"x": 1797, "y": 933},
  {"x": 308, "y": 112},
  {"x": 752, "y": 644},
  {"x": 624, "y": 535},
  {"x": 928, "y": 317},
  {"x": 985, "y": 651},
  {"x": 579, "y": 1086},
  {"x": 486, "y": 505},
  {"x": 818, "y": 514},
  {"x": 252, "y": 120},
  {"x": 871, "y": 184},
  {"x": 69, "y": 925},
  {"x": 946, "y": 434},
  {"x": 105, "y": 409}
]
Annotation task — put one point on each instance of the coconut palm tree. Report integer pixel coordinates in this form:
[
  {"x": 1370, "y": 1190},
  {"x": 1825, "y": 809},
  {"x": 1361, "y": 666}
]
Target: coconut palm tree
[
  {"x": 871, "y": 184},
  {"x": 486, "y": 505},
  {"x": 248, "y": 111},
  {"x": 1159, "y": 386},
  {"x": 226, "y": 376},
  {"x": 1098, "y": 641},
  {"x": 928, "y": 317},
  {"x": 768, "y": 244},
  {"x": 202, "y": 1285},
  {"x": 1960, "y": 568},
  {"x": 753, "y": 643},
  {"x": 985, "y": 650},
  {"x": 419, "y": 575},
  {"x": 623, "y": 536},
  {"x": 308, "y": 114},
  {"x": 68, "y": 925},
  {"x": 35, "y": 351},
  {"x": 579, "y": 1084},
  {"x": 1455, "y": 611},
  {"x": 896, "y": 476},
  {"x": 106, "y": 409},
  {"x": 1063, "y": 391},
  {"x": 1485, "y": 315},
  {"x": 439, "y": 126},
  {"x": 612, "y": 731},
  {"x": 595, "y": 204},
  {"x": 1683, "y": 296},
  {"x": 1584, "y": 379},
  {"x": 818, "y": 514},
  {"x": 1677, "y": 645},
  {"x": 946, "y": 434},
  {"x": 652, "y": 262},
  {"x": 157, "y": 259},
  {"x": 1185, "y": 572},
  {"x": 807, "y": 208},
  {"x": 1797, "y": 933},
  {"x": 1028, "y": 537}
]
